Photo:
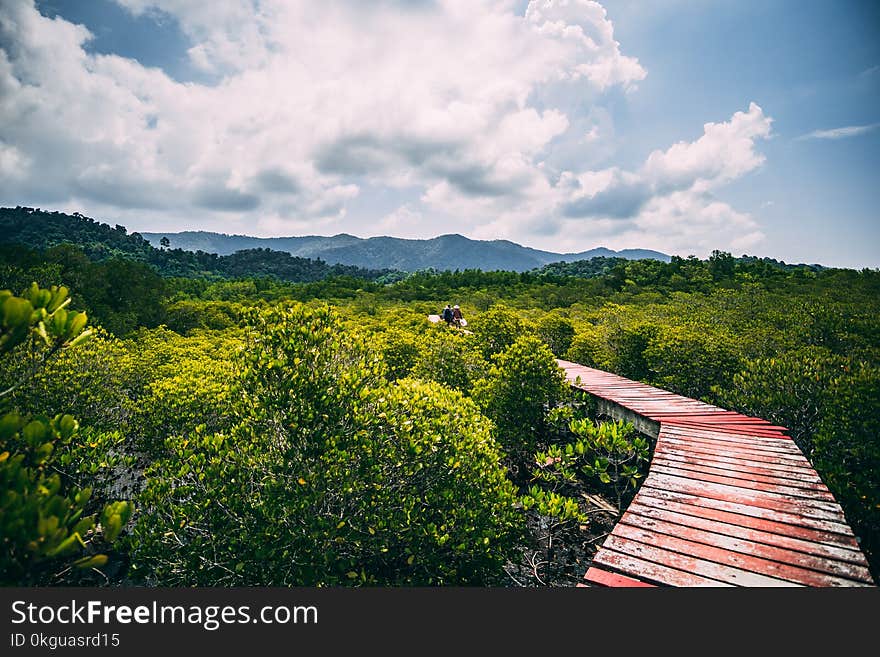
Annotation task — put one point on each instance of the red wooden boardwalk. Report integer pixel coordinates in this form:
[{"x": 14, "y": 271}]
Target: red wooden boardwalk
[{"x": 729, "y": 500}]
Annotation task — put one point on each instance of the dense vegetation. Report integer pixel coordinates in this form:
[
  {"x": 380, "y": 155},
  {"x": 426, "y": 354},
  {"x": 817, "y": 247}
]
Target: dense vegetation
[
  {"x": 41, "y": 230},
  {"x": 323, "y": 432}
]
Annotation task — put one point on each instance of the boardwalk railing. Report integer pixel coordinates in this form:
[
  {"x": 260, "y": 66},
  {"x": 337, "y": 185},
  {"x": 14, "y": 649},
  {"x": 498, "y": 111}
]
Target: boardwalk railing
[{"x": 729, "y": 500}]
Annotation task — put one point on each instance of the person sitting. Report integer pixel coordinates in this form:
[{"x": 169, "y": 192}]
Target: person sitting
[
  {"x": 447, "y": 315},
  {"x": 457, "y": 316}
]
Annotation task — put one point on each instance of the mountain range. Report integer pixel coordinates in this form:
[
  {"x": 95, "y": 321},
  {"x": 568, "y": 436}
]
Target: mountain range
[{"x": 443, "y": 252}]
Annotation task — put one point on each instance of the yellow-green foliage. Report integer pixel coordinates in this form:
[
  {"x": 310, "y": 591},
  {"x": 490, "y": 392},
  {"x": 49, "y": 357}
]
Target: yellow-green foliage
[
  {"x": 846, "y": 448},
  {"x": 557, "y": 332},
  {"x": 97, "y": 382},
  {"x": 690, "y": 361},
  {"x": 330, "y": 476},
  {"x": 44, "y": 523},
  {"x": 450, "y": 357},
  {"x": 523, "y": 384},
  {"x": 190, "y": 383},
  {"x": 399, "y": 350},
  {"x": 497, "y": 329}
]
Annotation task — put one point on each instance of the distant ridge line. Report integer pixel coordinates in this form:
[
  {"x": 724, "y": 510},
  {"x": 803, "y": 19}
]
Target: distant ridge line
[{"x": 451, "y": 251}]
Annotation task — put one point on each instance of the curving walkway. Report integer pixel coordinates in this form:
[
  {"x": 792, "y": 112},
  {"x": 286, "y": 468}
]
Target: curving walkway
[{"x": 729, "y": 500}]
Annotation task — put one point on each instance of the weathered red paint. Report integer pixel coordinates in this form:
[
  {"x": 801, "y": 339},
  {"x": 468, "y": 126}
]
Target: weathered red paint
[
  {"x": 657, "y": 510},
  {"x": 599, "y": 577},
  {"x": 728, "y": 500},
  {"x": 732, "y": 552},
  {"x": 833, "y": 532}
]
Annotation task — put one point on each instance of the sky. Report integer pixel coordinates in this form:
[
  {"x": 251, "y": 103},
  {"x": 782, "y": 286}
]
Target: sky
[{"x": 683, "y": 126}]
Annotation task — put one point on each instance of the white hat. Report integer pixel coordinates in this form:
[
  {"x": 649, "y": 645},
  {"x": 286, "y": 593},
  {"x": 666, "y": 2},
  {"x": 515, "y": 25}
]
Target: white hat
[{"x": 455, "y": 306}]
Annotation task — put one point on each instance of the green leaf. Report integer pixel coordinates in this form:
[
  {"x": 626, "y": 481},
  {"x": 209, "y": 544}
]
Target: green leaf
[{"x": 95, "y": 561}]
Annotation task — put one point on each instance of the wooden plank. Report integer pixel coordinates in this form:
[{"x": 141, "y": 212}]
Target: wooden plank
[
  {"x": 778, "y": 442},
  {"x": 727, "y": 447},
  {"x": 726, "y": 422},
  {"x": 727, "y": 556},
  {"x": 668, "y": 449},
  {"x": 743, "y": 475},
  {"x": 784, "y": 536},
  {"x": 795, "y": 561},
  {"x": 837, "y": 532},
  {"x": 600, "y": 577},
  {"x": 808, "y": 508},
  {"x": 736, "y": 428},
  {"x": 739, "y": 434},
  {"x": 708, "y": 448},
  {"x": 804, "y": 477},
  {"x": 748, "y": 484},
  {"x": 743, "y": 450},
  {"x": 654, "y": 572},
  {"x": 646, "y": 549},
  {"x": 771, "y": 439},
  {"x": 716, "y": 416}
]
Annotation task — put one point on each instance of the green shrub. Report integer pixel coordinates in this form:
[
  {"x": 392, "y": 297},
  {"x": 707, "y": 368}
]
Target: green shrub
[
  {"x": 97, "y": 382},
  {"x": 791, "y": 390},
  {"x": 522, "y": 386},
  {"x": 331, "y": 476},
  {"x": 400, "y": 352},
  {"x": 847, "y": 450},
  {"x": 627, "y": 345},
  {"x": 557, "y": 333},
  {"x": 450, "y": 358},
  {"x": 497, "y": 329},
  {"x": 589, "y": 347},
  {"x": 690, "y": 361},
  {"x": 45, "y": 528},
  {"x": 191, "y": 383}
]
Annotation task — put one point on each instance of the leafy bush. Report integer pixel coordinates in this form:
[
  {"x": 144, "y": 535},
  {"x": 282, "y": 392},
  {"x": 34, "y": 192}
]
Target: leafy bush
[
  {"x": 399, "y": 351},
  {"x": 43, "y": 516},
  {"x": 847, "y": 450},
  {"x": 589, "y": 347},
  {"x": 628, "y": 345},
  {"x": 557, "y": 333},
  {"x": 497, "y": 329},
  {"x": 191, "y": 382},
  {"x": 331, "y": 477},
  {"x": 690, "y": 361},
  {"x": 610, "y": 452},
  {"x": 449, "y": 357},
  {"x": 187, "y": 315},
  {"x": 97, "y": 382},
  {"x": 791, "y": 389},
  {"x": 522, "y": 386}
]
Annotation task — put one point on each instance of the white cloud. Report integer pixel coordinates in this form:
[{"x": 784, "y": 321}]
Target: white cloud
[
  {"x": 584, "y": 26},
  {"x": 486, "y": 116},
  {"x": 841, "y": 133},
  {"x": 725, "y": 152},
  {"x": 334, "y": 94},
  {"x": 667, "y": 203}
]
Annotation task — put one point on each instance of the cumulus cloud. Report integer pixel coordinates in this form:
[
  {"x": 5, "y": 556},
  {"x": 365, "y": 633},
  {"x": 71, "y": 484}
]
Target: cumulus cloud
[
  {"x": 725, "y": 152},
  {"x": 484, "y": 114},
  {"x": 668, "y": 202},
  {"x": 585, "y": 27},
  {"x": 312, "y": 101}
]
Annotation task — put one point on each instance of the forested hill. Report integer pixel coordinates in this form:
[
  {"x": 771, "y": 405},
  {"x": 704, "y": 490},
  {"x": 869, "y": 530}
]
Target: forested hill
[
  {"x": 40, "y": 230},
  {"x": 446, "y": 252}
]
